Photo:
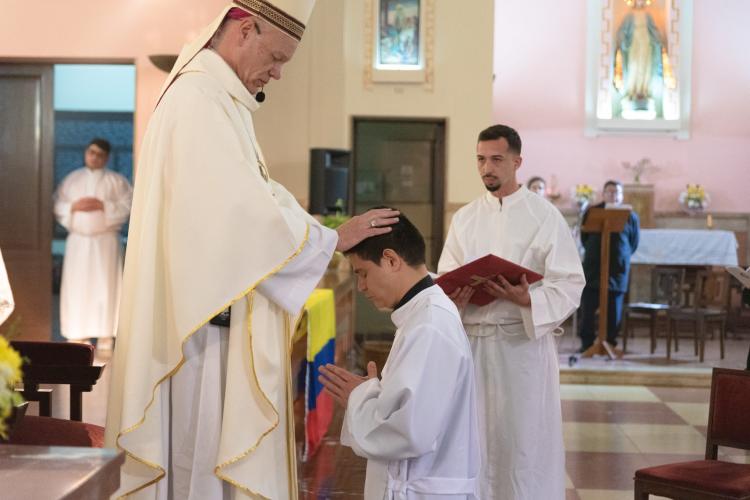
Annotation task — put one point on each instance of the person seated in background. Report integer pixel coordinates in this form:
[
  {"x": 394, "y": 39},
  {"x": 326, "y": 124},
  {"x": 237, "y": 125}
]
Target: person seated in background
[
  {"x": 622, "y": 246},
  {"x": 92, "y": 203},
  {"x": 537, "y": 185},
  {"x": 417, "y": 426}
]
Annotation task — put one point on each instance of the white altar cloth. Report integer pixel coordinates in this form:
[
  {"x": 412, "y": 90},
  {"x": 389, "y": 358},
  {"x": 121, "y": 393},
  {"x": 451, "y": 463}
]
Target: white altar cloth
[{"x": 687, "y": 247}]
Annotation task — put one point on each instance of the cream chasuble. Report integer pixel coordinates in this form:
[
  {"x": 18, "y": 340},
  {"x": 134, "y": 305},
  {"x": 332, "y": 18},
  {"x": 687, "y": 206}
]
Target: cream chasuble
[
  {"x": 92, "y": 267},
  {"x": 515, "y": 354},
  {"x": 208, "y": 230}
]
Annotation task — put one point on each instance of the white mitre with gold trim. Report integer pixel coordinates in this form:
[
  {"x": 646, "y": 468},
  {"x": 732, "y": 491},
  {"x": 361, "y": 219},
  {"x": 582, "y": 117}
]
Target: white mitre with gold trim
[{"x": 289, "y": 16}]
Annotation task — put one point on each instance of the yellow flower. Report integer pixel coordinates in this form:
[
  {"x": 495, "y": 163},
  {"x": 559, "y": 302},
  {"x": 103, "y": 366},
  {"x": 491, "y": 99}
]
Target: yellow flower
[
  {"x": 584, "y": 191},
  {"x": 10, "y": 375},
  {"x": 696, "y": 192}
]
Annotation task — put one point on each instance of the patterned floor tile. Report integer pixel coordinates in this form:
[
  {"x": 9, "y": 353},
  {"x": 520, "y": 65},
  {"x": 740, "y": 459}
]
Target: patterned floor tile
[
  {"x": 596, "y": 471},
  {"x": 622, "y": 393},
  {"x": 596, "y": 437},
  {"x": 619, "y": 412},
  {"x": 607, "y": 393},
  {"x": 682, "y": 394},
  {"x": 611, "y": 495},
  {"x": 571, "y": 495},
  {"x": 734, "y": 455},
  {"x": 605, "y": 494},
  {"x": 682, "y": 439},
  {"x": 692, "y": 413},
  {"x": 568, "y": 482}
]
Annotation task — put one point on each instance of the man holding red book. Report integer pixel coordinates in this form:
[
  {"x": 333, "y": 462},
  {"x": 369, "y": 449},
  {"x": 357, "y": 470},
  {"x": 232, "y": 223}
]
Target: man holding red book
[{"x": 515, "y": 353}]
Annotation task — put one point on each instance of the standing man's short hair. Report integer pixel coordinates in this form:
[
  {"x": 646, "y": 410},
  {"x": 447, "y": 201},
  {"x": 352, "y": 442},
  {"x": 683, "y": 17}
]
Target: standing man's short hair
[
  {"x": 101, "y": 143},
  {"x": 496, "y": 132}
]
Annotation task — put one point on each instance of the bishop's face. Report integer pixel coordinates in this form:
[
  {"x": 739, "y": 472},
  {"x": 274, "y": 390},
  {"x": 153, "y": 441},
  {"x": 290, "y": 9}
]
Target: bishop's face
[
  {"x": 264, "y": 50},
  {"x": 497, "y": 166},
  {"x": 374, "y": 281}
]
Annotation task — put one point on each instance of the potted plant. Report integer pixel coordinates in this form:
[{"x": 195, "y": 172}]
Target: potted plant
[
  {"x": 333, "y": 221},
  {"x": 694, "y": 200},
  {"x": 583, "y": 194}
]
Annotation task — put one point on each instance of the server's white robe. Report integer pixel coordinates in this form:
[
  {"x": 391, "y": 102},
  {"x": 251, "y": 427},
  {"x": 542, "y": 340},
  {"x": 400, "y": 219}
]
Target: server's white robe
[
  {"x": 515, "y": 352},
  {"x": 204, "y": 411},
  {"x": 418, "y": 425},
  {"x": 92, "y": 266},
  {"x": 6, "y": 295}
]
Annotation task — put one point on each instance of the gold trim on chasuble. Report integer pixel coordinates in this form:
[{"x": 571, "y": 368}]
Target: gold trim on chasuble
[
  {"x": 249, "y": 293},
  {"x": 291, "y": 456},
  {"x": 275, "y": 16}
]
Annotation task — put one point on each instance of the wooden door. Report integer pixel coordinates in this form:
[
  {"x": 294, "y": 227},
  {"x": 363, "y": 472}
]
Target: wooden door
[
  {"x": 26, "y": 169},
  {"x": 400, "y": 163}
]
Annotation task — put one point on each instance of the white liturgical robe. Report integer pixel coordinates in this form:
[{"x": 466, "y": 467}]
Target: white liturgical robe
[
  {"x": 6, "y": 296},
  {"x": 515, "y": 352},
  {"x": 203, "y": 410},
  {"x": 418, "y": 425},
  {"x": 92, "y": 266}
]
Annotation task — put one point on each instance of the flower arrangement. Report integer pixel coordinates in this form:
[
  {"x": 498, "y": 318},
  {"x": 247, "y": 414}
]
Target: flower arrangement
[
  {"x": 333, "y": 221},
  {"x": 639, "y": 168},
  {"x": 694, "y": 199},
  {"x": 583, "y": 194},
  {"x": 10, "y": 375}
]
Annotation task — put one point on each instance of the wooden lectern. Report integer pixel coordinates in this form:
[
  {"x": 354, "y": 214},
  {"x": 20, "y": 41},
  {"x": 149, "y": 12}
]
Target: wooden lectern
[{"x": 605, "y": 221}]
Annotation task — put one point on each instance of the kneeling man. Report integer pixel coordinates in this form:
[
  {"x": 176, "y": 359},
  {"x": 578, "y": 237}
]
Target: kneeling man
[{"x": 418, "y": 425}]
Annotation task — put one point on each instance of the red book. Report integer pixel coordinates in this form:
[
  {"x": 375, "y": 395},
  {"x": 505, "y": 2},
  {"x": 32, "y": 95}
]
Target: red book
[{"x": 486, "y": 268}]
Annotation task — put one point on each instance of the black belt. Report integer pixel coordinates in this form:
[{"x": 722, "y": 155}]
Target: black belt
[{"x": 222, "y": 319}]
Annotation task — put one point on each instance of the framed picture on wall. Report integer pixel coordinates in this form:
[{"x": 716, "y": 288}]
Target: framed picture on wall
[
  {"x": 399, "y": 43},
  {"x": 639, "y": 67},
  {"x": 398, "y": 34}
]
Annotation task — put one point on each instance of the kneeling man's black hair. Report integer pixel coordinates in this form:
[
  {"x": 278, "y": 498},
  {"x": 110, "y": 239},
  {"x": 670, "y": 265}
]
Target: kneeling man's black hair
[{"x": 404, "y": 239}]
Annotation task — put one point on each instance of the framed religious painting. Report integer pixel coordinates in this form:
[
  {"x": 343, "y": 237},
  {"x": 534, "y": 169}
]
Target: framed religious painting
[
  {"x": 399, "y": 41},
  {"x": 638, "y": 67}
]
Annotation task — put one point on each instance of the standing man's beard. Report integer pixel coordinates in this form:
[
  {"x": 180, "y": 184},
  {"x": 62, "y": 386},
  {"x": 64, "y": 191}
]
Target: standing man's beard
[{"x": 491, "y": 187}]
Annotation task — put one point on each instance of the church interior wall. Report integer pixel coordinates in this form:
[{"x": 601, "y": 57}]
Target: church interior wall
[
  {"x": 539, "y": 67},
  {"x": 331, "y": 63},
  {"x": 106, "y": 30},
  {"x": 540, "y": 50}
]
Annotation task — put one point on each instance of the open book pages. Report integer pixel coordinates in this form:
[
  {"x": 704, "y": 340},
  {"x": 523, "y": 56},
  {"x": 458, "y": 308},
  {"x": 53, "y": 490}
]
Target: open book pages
[{"x": 612, "y": 206}]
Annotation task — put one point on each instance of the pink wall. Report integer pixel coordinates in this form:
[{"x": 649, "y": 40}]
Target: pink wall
[
  {"x": 540, "y": 57},
  {"x": 105, "y": 29}
]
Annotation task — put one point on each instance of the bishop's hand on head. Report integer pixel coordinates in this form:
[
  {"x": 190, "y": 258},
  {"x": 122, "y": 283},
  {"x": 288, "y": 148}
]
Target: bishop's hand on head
[{"x": 371, "y": 223}]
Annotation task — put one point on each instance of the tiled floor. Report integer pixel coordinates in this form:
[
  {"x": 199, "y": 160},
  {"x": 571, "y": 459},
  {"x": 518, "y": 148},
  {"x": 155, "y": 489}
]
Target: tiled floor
[{"x": 609, "y": 432}]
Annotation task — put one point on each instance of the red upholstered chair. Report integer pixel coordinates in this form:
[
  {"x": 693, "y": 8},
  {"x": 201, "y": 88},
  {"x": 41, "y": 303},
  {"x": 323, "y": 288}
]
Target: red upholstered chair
[
  {"x": 48, "y": 431},
  {"x": 710, "y": 479},
  {"x": 57, "y": 363}
]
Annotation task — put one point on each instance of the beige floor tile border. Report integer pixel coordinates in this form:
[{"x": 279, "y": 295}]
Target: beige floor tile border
[{"x": 663, "y": 377}]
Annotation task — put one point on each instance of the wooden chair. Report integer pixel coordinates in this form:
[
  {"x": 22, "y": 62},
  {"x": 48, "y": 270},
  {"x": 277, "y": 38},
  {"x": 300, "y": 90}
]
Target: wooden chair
[
  {"x": 57, "y": 363},
  {"x": 666, "y": 293},
  {"x": 710, "y": 479},
  {"x": 707, "y": 310}
]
